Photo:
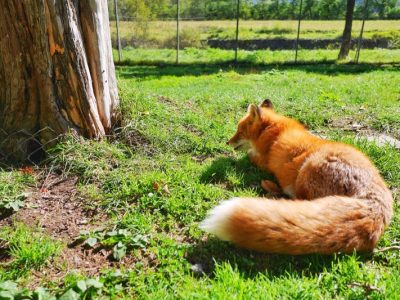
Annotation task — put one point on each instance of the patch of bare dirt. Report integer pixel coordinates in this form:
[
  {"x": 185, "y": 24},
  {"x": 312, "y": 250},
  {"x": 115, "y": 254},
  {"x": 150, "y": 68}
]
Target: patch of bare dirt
[
  {"x": 132, "y": 137},
  {"x": 193, "y": 130},
  {"x": 382, "y": 139},
  {"x": 363, "y": 131},
  {"x": 56, "y": 207},
  {"x": 201, "y": 157},
  {"x": 347, "y": 123},
  {"x": 135, "y": 140},
  {"x": 166, "y": 100}
]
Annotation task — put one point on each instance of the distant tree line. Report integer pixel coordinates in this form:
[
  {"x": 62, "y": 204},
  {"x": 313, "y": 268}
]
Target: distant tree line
[{"x": 252, "y": 9}]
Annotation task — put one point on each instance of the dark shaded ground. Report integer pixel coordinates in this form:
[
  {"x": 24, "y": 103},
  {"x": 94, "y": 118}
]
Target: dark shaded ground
[
  {"x": 130, "y": 69},
  {"x": 290, "y": 44}
]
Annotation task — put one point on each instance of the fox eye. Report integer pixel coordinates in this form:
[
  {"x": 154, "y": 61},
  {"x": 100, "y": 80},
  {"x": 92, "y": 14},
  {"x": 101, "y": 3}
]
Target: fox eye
[{"x": 242, "y": 132}]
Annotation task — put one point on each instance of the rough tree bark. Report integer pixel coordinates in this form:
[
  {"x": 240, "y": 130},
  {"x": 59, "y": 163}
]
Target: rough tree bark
[
  {"x": 56, "y": 72},
  {"x": 346, "y": 39}
]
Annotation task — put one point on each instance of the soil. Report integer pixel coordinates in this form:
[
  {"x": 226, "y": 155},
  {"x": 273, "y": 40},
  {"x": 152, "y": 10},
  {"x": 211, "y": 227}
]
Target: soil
[
  {"x": 135, "y": 140},
  {"x": 363, "y": 131},
  {"x": 56, "y": 207}
]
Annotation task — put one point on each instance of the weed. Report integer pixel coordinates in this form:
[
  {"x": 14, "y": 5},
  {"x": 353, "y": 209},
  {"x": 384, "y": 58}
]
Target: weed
[
  {"x": 28, "y": 249},
  {"x": 121, "y": 240},
  {"x": 12, "y": 189}
]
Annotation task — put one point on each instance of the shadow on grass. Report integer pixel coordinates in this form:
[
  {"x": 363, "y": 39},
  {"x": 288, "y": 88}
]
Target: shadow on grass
[
  {"x": 233, "y": 173},
  {"x": 129, "y": 69},
  {"x": 5, "y": 213},
  {"x": 250, "y": 263}
]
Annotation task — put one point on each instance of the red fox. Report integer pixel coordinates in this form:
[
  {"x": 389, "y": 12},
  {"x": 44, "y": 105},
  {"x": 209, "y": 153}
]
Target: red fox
[{"x": 341, "y": 202}]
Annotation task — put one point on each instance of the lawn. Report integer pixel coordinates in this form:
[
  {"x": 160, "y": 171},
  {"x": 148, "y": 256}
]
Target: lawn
[
  {"x": 258, "y": 57},
  {"x": 162, "y": 33},
  {"x": 148, "y": 186}
]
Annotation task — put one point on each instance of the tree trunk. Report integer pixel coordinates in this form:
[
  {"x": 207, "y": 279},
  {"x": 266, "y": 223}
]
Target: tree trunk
[
  {"x": 346, "y": 39},
  {"x": 56, "y": 73}
]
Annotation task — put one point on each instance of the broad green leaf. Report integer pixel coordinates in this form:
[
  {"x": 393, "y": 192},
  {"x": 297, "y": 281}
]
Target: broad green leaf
[
  {"x": 94, "y": 283},
  {"x": 91, "y": 241},
  {"x": 69, "y": 295},
  {"x": 81, "y": 285},
  {"x": 119, "y": 251}
]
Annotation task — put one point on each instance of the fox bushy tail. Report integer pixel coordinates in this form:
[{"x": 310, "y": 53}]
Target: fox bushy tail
[{"x": 324, "y": 225}]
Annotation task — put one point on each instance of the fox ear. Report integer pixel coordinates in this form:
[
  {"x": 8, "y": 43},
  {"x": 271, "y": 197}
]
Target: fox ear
[
  {"x": 267, "y": 103},
  {"x": 254, "y": 111}
]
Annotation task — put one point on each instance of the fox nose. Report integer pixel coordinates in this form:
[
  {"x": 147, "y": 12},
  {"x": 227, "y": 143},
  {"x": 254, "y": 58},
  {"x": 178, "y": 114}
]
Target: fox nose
[{"x": 227, "y": 142}]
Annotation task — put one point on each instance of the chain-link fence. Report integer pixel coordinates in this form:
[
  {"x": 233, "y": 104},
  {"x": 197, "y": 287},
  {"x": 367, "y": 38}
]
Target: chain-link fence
[
  {"x": 23, "y": 146},
  {"x": 206, "y": 31}
]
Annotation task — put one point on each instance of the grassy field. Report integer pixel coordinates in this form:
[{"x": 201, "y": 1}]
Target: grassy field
[
  {"x": 259, "y": 57},
  {"x": 161, "y": 34},
  {"x": 169, "y": 164}
]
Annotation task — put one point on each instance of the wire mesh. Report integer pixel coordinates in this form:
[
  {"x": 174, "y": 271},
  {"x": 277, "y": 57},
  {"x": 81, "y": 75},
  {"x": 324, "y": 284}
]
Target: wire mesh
[
  {"x": 22, "y": 146},
  {"x": 207, "y": 31}
]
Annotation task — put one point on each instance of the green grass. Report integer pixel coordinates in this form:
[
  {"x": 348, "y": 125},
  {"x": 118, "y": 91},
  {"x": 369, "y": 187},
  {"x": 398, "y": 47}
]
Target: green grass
[
  {"x": 161, "y": 34},
  {"x": 258, "y": 57},
  {"x": 28, "y": 249},
  {"x": 170, "y": 164},
  {"x": 315, "y": 94},
  {"x": 12, "y": 187},
  {"x": 177, "y": 127}
]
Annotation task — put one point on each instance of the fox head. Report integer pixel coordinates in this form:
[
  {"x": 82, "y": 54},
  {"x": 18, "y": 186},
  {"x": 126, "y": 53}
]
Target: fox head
[{"x": 251, "y": 125}]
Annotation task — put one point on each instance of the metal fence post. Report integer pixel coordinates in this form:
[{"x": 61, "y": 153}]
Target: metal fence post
[
  {"x": 298, "y": 30},
  {"x": 118, "y": 37},
  {"x": 361, "y": 31},
  {"x": 237, "y": 30},
  {"x": 177, "y": 31}
]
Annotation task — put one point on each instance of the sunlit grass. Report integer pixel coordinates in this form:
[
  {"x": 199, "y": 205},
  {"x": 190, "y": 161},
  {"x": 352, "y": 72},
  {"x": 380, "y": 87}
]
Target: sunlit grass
[
  {"x": 213, "y": 56},
  {"x": 160, "y": 31}
]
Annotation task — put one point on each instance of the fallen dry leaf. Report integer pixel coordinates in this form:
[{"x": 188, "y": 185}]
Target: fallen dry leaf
[
  {"x": 166, "y": 190},
  {"x": 156, "y": 186},
  {"x": 26, "y": 170}
]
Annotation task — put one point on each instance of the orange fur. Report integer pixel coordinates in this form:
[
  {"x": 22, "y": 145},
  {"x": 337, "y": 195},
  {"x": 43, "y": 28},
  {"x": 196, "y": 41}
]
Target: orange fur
[{"x": 342, "y": 203}]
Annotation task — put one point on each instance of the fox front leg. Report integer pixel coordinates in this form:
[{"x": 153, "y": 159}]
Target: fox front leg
[
  {"x": 254, "y": 158},
  {"x": 257, "y": 160},
  {"x": 271, "y": 187},
  {"x": 267, "y": 185}
]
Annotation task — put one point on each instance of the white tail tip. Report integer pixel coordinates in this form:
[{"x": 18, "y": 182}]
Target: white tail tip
[{"x": 217, "y": 220}]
